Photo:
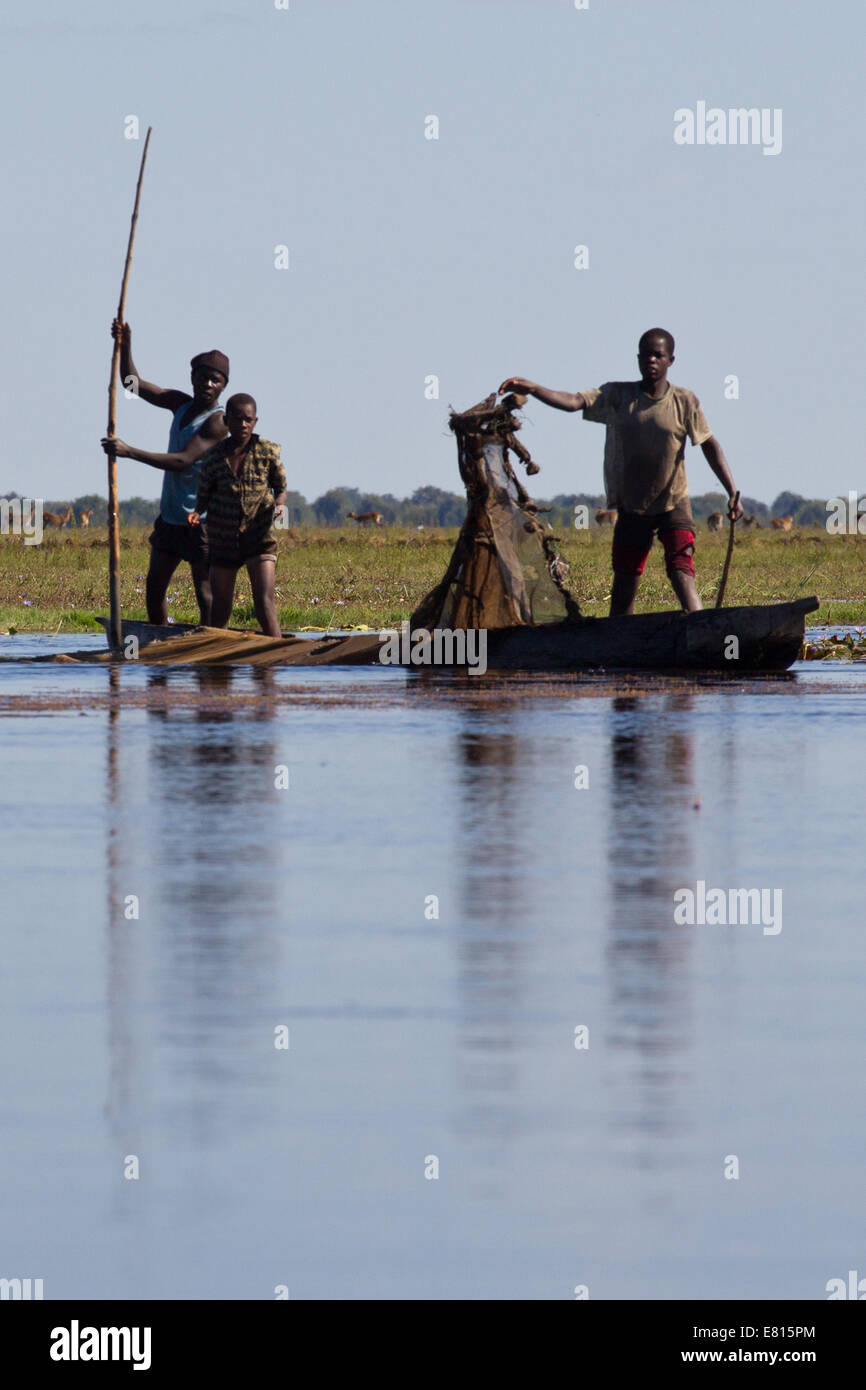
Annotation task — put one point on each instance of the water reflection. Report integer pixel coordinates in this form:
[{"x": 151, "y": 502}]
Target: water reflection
[
  {"x": 122, "y": 1051},
  {"x": 557, "y": 909},
  {"x": 651, "y": 831},
  {"x": 191, "y": 821},
  {"x": 491, "y": 950}
]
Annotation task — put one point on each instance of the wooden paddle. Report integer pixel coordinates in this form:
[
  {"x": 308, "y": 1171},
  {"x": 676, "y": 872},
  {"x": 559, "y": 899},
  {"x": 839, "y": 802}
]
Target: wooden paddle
[
  {"x": 114, "y": 631},
  {"x": 735, "y": 501}
]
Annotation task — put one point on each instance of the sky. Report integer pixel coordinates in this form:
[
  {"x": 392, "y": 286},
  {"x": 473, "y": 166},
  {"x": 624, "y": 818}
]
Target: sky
[{"x": 411, "y": 257}]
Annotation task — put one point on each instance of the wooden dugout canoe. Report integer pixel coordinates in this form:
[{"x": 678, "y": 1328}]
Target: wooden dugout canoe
[{"x": 768, "y": 638}]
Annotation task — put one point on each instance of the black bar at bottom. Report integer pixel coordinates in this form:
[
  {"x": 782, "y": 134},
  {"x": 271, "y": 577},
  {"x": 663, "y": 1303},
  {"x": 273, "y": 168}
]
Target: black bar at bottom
[{"x": 68, "y": 1338}]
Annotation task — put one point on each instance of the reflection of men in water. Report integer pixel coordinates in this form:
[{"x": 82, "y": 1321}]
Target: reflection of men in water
[{"x": 650, "y": 855}]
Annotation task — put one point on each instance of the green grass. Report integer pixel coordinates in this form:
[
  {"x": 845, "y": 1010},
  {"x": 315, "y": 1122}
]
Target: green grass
[{"x": 339, "y": 579}]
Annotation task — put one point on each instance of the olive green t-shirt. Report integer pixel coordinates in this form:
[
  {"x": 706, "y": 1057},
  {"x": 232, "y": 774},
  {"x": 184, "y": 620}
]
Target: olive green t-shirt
[{"x": 645, "y": 446}]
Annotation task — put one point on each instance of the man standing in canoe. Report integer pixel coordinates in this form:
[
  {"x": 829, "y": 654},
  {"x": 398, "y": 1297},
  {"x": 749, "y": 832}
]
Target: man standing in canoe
[
  {"x": 648, "y": 422},
  {"x": 197, "y": 424}
]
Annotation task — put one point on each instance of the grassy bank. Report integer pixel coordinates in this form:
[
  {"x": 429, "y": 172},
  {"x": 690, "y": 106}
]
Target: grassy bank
[{"x": 336, "y": 578}]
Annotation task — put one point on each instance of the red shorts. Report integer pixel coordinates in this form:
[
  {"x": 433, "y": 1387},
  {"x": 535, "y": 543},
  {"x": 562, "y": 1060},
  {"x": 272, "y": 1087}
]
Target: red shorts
[{"x": 633, "y": 537}]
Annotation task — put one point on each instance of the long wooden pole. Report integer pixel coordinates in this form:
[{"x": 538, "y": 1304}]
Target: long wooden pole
[
  {"x": 114, "y": 634},
  {"x": 735, "y": 502}
]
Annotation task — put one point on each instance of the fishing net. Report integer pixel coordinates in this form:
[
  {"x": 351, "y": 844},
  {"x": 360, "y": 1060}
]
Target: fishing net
[{"x": 505, "y": 571}]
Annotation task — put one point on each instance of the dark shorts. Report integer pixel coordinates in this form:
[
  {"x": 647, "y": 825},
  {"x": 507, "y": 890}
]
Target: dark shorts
[
  {"x": 184, "y": 542},
  {"x": 633, "y": 537},
  {"x": 245, "y": 548}
]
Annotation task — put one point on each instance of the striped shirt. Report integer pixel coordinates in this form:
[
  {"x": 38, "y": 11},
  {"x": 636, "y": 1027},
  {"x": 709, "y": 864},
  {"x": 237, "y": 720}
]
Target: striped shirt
[{"x": 240, "y": 506}]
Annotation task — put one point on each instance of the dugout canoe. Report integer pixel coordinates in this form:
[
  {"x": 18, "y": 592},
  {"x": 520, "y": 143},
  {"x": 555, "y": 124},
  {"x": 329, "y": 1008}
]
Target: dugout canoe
[
  {"x": 768, "y": 637},
  {"x": 759, "y": 638}
]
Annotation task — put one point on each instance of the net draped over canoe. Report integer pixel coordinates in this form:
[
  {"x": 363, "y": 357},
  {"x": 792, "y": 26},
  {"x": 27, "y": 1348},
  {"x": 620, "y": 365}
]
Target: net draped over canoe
[{"x": 505, "y": 571}]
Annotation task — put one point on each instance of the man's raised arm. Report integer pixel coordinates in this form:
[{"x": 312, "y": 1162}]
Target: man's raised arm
[{"x": 162, "y": 396}]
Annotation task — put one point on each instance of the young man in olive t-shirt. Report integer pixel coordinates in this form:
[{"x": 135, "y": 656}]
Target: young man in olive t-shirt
[{"x": 648, "y": 422}]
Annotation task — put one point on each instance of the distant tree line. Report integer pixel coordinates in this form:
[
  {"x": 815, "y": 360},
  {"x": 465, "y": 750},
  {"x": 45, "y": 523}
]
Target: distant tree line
[{"x": 432, "y": 506}]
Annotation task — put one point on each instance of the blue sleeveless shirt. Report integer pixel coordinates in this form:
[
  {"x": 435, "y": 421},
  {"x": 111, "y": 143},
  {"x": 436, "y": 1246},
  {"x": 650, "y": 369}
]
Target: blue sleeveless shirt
[{"x": 180, "y": 490}]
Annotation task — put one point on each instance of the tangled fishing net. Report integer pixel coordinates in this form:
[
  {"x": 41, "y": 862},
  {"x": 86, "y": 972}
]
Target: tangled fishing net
[{"x": 505, "y": 571}]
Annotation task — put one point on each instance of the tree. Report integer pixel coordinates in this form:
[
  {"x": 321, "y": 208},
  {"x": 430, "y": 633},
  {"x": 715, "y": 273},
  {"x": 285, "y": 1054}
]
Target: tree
[
  {"x": 331, "y": 508},
  {"x": 300, "y": 511},
  {"x": 752, "y": 507},
  {"x": 705, "y": 503},
  {"x": 787, "y": 504},
  {"x": 136, "y": 511},
  {"x": 812, "y": 514}
]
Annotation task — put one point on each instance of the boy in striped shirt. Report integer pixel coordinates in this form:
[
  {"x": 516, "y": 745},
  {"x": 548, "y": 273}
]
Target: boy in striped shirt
[{"x": 242, "y": 487}]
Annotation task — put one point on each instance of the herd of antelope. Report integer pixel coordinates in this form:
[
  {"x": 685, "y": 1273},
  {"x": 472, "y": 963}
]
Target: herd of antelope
[
  {"x": 603, "y": 517},
  {"x": 715, "y": 521},
  {"x": 61, "y": 519}
]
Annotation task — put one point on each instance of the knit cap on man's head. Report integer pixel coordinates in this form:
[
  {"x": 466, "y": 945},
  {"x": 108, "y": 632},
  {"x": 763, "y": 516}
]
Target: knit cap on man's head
[{"x": 215, "y": 359}]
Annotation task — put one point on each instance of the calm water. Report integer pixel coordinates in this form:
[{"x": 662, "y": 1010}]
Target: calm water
[{"x": 412, "y": 1036}]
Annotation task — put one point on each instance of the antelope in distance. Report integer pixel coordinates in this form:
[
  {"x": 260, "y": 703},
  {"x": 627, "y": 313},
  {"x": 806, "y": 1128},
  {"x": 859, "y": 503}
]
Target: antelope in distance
[
  {"x": 605, "y": 518},
  {"x": 84, "y": 517},
  {"x": 751, "y": 520},
  {"x": 364, "y": 518},
  {"x": 58, "y": 519},
  {"x": 714, "y": 521},
  {"x": 782, "y": 523}
]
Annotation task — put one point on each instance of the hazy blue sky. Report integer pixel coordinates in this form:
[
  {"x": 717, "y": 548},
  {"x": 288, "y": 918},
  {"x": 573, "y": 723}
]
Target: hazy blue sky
[{"x": 453, "y": 257}]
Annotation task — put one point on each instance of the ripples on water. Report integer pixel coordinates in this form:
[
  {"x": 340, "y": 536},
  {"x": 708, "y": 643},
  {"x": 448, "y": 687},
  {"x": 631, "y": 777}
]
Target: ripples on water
[{"x": 414, "y": 1035}]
